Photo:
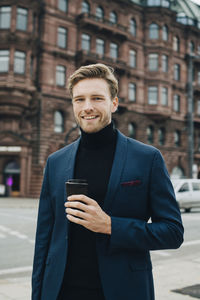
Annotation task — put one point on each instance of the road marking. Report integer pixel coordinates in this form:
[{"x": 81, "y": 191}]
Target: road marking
[
  {"x": 18, "y": 216},
  {"x": 190, "y": 243},
  {"x": 161, "y": 253},
  {"x": 15, "y": 270},
  {"x": 15, "y": 233}
]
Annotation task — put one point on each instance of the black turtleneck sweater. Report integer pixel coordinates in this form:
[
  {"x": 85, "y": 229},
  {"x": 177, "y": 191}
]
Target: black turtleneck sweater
[{"x": 93, "y": 162}]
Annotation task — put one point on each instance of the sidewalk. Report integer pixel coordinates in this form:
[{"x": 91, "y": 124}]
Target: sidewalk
[
  {"x": 168, "y": 274},
  {"x": 21, "y": 202},
  {"x": 166, "y": 279}
]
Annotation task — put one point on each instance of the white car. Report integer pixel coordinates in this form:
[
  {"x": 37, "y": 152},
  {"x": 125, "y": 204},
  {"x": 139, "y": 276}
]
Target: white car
[{"x": 187, "y": 193}]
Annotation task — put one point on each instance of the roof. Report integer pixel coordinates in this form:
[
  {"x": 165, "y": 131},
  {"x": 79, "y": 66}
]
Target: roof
[{"x": 182, "y": 7}]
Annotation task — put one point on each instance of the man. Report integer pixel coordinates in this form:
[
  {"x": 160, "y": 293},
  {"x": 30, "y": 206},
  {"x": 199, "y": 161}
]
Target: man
[{"x": 96, "y": 247}]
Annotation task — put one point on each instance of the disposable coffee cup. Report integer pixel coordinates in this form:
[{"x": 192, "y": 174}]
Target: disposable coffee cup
[{"x": 76, "y": 187}]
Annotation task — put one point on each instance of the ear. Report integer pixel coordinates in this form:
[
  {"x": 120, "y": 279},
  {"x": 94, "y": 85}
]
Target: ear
[{"x": 115, "y": 103}]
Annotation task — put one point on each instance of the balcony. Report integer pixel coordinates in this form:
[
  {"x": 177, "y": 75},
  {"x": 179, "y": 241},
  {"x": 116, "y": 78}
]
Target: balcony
[
  {"x": 157, "y": 112},
  {"x": 102, "y": 25},
  {"x": 85, "y": 57}
]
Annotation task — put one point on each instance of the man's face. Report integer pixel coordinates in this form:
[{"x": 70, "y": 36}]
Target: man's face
[{"x": 92, "y": 104}]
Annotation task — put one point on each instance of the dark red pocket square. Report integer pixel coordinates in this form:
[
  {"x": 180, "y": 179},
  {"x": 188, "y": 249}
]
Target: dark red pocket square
[{"x": 131, "y": 183}]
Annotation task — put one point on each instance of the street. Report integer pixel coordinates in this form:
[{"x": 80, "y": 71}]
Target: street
[{"x": 173, "y": 269}]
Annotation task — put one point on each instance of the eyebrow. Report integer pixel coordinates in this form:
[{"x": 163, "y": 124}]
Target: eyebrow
[{"x": 94, "y": 95}]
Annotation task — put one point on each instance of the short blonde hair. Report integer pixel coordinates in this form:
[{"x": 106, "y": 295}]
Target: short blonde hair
[{"x": 94, "y": 71}]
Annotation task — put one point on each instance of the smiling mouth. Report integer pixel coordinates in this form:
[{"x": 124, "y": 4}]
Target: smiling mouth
[{"x": 89, "y": 117}]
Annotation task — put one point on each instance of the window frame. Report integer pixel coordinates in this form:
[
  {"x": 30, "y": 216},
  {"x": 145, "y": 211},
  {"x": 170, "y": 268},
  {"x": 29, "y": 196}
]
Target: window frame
[
  {"x": 153, "y": 31},
  {"x": 60, "y": 74},
  {"x": 24, "y": 19},
  {"x": 177, "y": 72},
  {"x": 100, "y": 45},
  {"x": 85, "y": 8},
  {"x": 176, "y": 102},
  {"x": 133, "y": 27},
  {"x": 153, "y": 62},
  {"x": 5, "y": 16},
  {"x": 61, "y": 7},
  {"x": 62, "y": 37},
  {"x": 114, "y": 49},
  {"x": 132, "y": 92},
  {"x": 153, "y": 90},
  {"x": 19, "y": 60},
  {"x": 6, "y": 61},
  {"x": 85, "y": 40},
  {"x": 58, "y": 124}
]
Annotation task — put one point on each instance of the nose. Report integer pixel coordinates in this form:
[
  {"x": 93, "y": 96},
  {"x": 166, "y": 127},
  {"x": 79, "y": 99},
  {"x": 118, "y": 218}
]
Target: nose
[{"x": 87, "y": 105}]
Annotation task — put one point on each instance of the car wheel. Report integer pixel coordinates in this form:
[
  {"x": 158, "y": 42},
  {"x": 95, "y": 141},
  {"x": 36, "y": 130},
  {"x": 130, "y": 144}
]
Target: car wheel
[{"x": 187, "y": 210}]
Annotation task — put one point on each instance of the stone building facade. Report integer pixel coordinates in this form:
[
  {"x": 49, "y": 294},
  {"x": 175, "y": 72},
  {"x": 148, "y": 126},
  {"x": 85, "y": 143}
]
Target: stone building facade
[{"x": 43, "y": 42}]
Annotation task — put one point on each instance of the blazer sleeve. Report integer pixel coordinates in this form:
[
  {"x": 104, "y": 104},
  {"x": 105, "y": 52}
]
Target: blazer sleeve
[
  {"x": 43, "y": 235},
  {"x": 165, "y": 231}
]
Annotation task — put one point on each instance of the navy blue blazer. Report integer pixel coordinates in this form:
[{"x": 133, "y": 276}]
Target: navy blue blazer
[{"x": 139, "y": 190}]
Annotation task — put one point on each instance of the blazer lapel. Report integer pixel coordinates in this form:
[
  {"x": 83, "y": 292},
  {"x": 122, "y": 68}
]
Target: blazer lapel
[{"x": 117, "y": 168}]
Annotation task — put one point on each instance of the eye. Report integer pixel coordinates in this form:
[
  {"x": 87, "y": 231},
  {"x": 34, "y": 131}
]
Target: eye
[
  {"x": 78, "y": 99},
  {"x": 97, "y": 98}
]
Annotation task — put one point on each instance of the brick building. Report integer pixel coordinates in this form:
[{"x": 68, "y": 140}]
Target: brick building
[{"x": 43, "y": 42}]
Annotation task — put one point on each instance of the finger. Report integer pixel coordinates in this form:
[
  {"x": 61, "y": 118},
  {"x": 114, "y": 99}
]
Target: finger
[
  {"x": 77, "y": 213},
  {"x": 77, "y": 204},
  {"x": 76, "y": 220},
  {"x": 82, "y": 198}
]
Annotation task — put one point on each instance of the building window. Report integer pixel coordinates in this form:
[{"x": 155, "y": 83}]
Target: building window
[
  {"x": 161, "y": 136},
  {"x": 153, "y": 31},
  {"x": 153, "y": 62},
  {"x": 164, "y": 98},
  {"x": 132, "y": 58},
  {"x": 60, "y": 75},
  {"x": 22, "y": 18},
  {"x": 198, "y": 77},
  {"x": 153, "y": 95},
  {"x": 198, "y": 107},
  {"x": 63, "y": 5},
  {"x": 150, "y": 134},
  {"x": 113, "y": 17},
  {"x": 165, "y": 33},
  {"x": 19, "y": 62},
  {"x": 113, "y": 50},
  {"x": 85, "y": 7},
  {"x": 62, "y": 37},
  {"x": 177, "y": 138},
  {"x": 99, "y": 13},
  {"x": 5, "y": 14},
  {"x": 85, "y": 45},
  {"x": 176, "y": 103},
  {"x": 100, "y": 46},
  {"x": 164, "y": 63},
  {"x": 176, "y": 44},
  {"x": 177, "y": 72},
  {"x": 198, "y": 50},
  {"x": 132, "y": 92},
  {"x": 131, "y": 130},
  {"x": 163, "y": 3},
  {"x": 133, "y": 27},
  {"x": 191, "y": 47},
  {"x": 4, "y": 60},
  {"x": 58, "y": 122}
]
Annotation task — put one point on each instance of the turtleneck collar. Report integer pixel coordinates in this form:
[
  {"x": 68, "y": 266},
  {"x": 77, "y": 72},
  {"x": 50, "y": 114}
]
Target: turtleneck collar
[{"x": 99, "y": 139}]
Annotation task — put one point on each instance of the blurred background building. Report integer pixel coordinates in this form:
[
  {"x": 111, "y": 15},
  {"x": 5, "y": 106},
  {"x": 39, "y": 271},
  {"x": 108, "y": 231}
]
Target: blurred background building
[{"x": 150, "y": 43}]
